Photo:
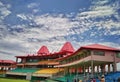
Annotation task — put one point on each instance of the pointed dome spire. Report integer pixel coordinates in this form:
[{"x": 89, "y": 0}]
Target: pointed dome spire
[
  {"x": 43, "y": 51},
  {"x": 67, "y": 47}
]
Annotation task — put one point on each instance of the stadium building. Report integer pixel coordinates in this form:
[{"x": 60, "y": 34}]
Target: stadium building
[
  {"x": 87, "y": 62},
  {"x": 6, "y": 65}
]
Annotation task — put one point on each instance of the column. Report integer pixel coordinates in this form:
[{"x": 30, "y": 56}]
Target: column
[
  {"x": 93, "y": 69},
  {"x": 88, "y": 70},
  {"x": 24, "y": 61},
  {"x": 68, "y": 71},
  {"x": 104, "y": 68},
  {"x": 65, "y": 71},
  {"x": 114, "y": 63},
  {"x": 98, "y": 69},
  {"x": 101, "y": 67},
  {"x": 108, "y": 68},
  {"x": 92, "y": 64},
  {"x": 16, "y": 60},
  {"x": 84, "y": 69}
]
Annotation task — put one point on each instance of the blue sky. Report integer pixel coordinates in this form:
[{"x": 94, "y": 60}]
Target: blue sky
[{"x": 26, "y": 25}]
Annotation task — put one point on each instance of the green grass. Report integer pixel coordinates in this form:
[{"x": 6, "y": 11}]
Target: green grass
[{"x": 12, "y": 80}]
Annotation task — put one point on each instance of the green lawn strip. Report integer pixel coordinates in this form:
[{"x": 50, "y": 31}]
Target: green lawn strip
[{"x": 12, "y": 80}]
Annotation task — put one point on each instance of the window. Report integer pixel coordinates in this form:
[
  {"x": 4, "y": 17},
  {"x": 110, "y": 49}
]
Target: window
[
  {"x": 101, "y": 53},
  {"x": 118, "y": 55}
]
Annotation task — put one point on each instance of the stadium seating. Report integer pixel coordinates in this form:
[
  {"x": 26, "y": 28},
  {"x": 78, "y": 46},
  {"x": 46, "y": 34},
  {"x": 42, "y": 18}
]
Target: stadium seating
[
  {"x": 24, "y": 70},
  {"x": 67, "y": 78},
  {"x": 112, "y": 77},
  {"x": 49, "y": 71},
  {"x": 2, "y": 71},
  {"x": 33, "y": 61},
  {"x": 50, "y": 80},
  {"x": 48, "y": 62}
]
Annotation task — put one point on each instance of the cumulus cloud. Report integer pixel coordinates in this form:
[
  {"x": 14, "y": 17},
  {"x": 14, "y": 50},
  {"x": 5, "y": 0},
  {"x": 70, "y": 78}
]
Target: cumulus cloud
[
  {"x": 10, "y": 49},
  {"x": 100, "y": 2},
  {"x": 53, "y": 30},
  {"x": 22, "y": 16},
  {"x": 32, "y": 5},
  {"x": 54, "y": 25},
  {"x": 29, "y": 40},
  {"x": 4, "y": 11},
  {"x": 101, "y": 15},
  {"x": 54, "y": 22},
  {"x": 50, "y": 31},
  {"x": 100, "y": 11}
]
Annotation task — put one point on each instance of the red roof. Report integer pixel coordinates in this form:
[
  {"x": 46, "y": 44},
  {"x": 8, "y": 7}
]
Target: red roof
[
  {"x": 67, "y": 47},
  {"x": 7, "y": 61},
  {"x": 99, "y": 46},
  {"x": 92, "y": 46},
  {"x": 43, "y": 50}
]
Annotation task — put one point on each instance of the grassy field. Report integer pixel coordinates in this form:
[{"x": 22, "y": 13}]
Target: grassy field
[{"x": 11, "y": 80}]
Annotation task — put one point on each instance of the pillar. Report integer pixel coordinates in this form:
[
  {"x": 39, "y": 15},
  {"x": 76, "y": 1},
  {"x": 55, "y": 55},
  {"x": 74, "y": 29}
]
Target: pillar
[
  {"x": 65, "y": 71},
  {"x": 114, "y": 63},
  {"x": 2, "y": 68},
  {"x": 98, "y": 68},
  {"x": 68, "y": 71},
  {"x": 84, "y": 69},
  {"x": 80, "y": 70},
  {"x": 16, "y": 60},
  {"x": 108, "y": 68},
  {"x": 93, "y": 69},
  {"x": 88, "y": 69},
  {"x": 104, "y": 70}
]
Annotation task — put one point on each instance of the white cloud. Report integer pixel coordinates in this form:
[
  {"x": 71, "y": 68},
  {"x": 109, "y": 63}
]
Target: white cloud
[
  {"x": 100, "y": 2},
  {"x": 54, "y": 23},
  {"x": 9, "y": 49},
  {"x": 51, "y": 30},
  {"x": 111, "y": 44},
  {"x": 116, "y": 32},
  {"x": 98, "y": 11},
  {"x": 3, "y": 30},
  {"x": 22, "y": 16},
  {"x": 35, "y": 7},
  {"x": 100, "y": 15},
  {"x": 35, "y": 10},
  {"x": 26, "y": 17},
  {"x": 1, "y": 4},
  {"x": 21, "y": 44},
  {"x": 31, "y": 39},
  {"x": 32, "y": 5},
  {"x": 3, "y": 11},
  {"x": 8, "y": 6}
]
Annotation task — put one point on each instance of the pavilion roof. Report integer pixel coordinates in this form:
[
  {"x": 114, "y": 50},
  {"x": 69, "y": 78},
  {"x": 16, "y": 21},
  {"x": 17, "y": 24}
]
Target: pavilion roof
[
  {"x": 7, "y": 61},
  {"x": 92, "y": 46},
  {"x": 43, "y": 51},
  {"x": 67, "y": 47},
  {"x": 101, "y": 47}
]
